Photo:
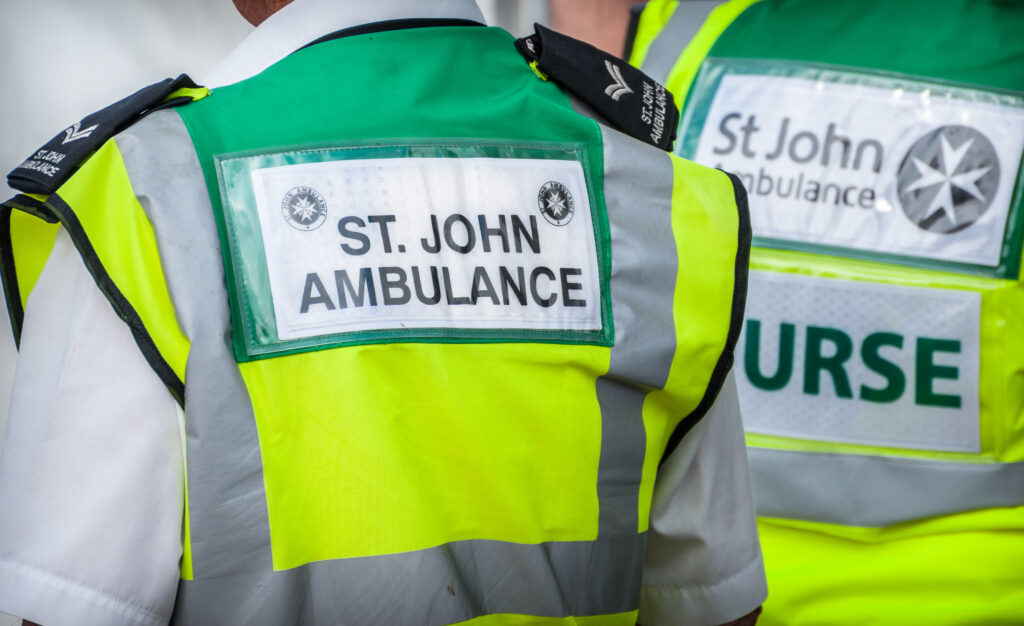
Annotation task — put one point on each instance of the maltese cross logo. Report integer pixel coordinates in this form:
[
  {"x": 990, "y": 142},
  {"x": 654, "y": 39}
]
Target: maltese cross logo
[
  {"x": 556, "y": 203},
  {"x": 304, "y": 208},
  {"x": 948, "y": 179}
]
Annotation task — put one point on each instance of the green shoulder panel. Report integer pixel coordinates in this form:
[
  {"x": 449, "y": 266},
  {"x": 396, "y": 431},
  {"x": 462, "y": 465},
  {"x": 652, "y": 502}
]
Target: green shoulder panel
[
  {"x": 981, "y": 46},
  {"x": 375, "y": 120}
]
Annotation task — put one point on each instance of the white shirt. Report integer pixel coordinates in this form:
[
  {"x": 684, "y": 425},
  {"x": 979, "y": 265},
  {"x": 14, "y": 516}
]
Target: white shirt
[{"x": 92, "y": 475}]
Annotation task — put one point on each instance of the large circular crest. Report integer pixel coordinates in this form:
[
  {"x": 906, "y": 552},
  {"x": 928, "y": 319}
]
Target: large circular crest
[{"x": 948, "y": 179}]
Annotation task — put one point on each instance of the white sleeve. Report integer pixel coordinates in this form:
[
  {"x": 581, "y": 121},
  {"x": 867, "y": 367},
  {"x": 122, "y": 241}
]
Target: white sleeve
[
  {"x": 704, "y": 563},
  {"x": 91, "y": 473},
  {"x": 8, "y": 356}
]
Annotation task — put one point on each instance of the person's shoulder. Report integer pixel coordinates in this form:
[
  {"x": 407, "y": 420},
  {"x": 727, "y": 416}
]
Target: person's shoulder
[{"x": 51, "y": 165}]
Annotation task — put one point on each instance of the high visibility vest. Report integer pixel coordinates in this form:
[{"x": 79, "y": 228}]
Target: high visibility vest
[
  {"x": 419, "y": 343},
  {"x": 882, "y": 376}
]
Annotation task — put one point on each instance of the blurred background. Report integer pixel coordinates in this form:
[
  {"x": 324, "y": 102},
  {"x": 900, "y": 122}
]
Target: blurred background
[{"x": 64, "y": 59}]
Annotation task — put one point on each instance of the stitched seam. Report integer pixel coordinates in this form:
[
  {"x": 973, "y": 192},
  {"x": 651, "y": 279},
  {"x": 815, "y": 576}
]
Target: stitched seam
[
  {"x": 87, "y": 593},
  {"x": 678, "y": 587}
]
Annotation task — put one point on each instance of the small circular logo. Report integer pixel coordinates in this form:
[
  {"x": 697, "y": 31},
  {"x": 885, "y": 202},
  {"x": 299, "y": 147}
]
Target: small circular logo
[
  {"x": 304, "y": 208},
  {"x": 948, "y": 179},
  {"x": 556, "y": 203}
]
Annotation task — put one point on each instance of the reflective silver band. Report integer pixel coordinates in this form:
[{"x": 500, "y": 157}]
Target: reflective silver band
[
  {"x": 443, "y": 585},
  {"x": 686, "y": 20},
  {"x": 876, "y": 491},
  {"x": 228, "y": 535},
  {"x": 644, "y": 266}
]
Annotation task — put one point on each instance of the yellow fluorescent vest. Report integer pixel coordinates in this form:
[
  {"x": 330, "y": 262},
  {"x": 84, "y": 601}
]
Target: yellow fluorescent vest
[
  {"x": 407, "y": 467},
  {"x": 917, "y": 516}
]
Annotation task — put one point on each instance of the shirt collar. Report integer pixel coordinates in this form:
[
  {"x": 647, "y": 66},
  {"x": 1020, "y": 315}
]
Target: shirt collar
[{"x": 304, "y": 21}]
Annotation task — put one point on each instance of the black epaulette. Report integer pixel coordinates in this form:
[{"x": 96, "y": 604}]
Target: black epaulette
[
  {"x": 51, "y": 165},
  {"x": 629, "y": 99}
]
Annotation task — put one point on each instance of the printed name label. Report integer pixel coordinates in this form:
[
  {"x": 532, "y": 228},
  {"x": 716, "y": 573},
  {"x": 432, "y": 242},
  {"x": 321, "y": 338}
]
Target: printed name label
[
  {"x": 838, "y": 159},
  {"x": 863, "y": 363},
  {"x": 392, "y": 244}
]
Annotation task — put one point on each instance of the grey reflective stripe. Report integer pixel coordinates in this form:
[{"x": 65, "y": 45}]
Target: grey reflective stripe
[
  {"x": 876, "y": 491},
  {"x": 644, "y": 265},
  {"x": 443, "y": 585},
  {"x": 220, "y": 430},
  {"x": 668, "y": 45}
]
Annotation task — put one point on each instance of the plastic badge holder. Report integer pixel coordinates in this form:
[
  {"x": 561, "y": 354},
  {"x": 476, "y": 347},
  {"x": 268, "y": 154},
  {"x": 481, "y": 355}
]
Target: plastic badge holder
[
  {"x": 427, "y": 242},
  {"x": 869, "y": 165}
]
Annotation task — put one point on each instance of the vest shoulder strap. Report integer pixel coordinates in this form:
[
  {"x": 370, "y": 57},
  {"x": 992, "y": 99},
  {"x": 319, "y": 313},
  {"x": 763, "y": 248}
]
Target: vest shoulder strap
[
  {"x": 50, "y": 166},
  {"x": 629, "y": 100}
]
